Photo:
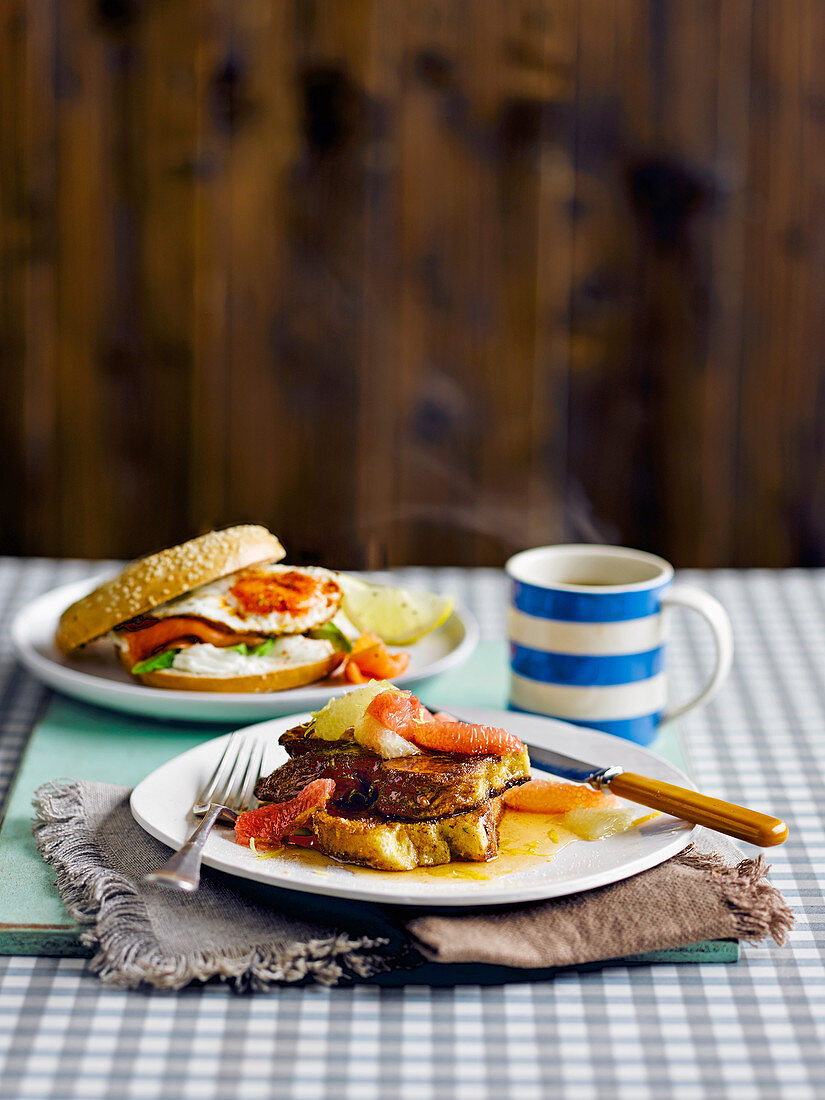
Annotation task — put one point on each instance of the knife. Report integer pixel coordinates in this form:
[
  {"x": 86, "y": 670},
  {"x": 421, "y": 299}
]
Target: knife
[{"x": 701, "y": 809}]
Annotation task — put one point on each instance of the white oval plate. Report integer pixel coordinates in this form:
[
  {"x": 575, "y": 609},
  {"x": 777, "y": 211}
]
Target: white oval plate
[
  {"x": 160, "y": 804},
  {"x": 96, "y": 677}
]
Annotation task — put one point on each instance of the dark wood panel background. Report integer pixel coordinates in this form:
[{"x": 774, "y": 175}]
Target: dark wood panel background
[{"x": 414, "y": 280}]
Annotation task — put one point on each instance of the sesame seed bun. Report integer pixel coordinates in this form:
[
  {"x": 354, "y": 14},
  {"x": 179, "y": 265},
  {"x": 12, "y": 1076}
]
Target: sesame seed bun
[
  {"x": 280, "y": 679},
  {"x": 148, "y": 582}
]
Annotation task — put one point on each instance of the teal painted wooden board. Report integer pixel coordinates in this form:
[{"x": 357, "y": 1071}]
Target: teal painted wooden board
[
  {"x": 89, "y": 743},
  {"x": 78, "y": 741}
]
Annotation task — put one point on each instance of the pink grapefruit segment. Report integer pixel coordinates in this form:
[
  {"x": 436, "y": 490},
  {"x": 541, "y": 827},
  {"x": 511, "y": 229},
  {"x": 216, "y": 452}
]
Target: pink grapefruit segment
[
  {"x": 546, "y": 796},
  {"x": 401, "y": 712},
  {"x": 439, "y": 716},
  {"x": 395, "y": 710},
  {"x": 272, "y": 823},
  {"x": 464, "y": 737}
]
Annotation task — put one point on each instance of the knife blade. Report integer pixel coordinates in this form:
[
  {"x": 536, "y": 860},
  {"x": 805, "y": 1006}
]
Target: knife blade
[
  {"x": 700, "y": 809},
  {"x": 579, "y": 771}
]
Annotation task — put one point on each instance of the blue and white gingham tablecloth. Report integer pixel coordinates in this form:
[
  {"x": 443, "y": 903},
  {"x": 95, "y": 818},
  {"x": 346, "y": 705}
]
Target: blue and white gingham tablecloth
[{"x": 756, "y": 1029}]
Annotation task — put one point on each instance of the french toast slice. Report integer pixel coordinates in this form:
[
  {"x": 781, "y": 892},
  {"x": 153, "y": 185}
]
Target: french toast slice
[
  {"x": 419, "y": 787},
  {"x": 433, "y": 785},
  {"x": 373, "y": 841},
  {"x": 347, "y": 763}
]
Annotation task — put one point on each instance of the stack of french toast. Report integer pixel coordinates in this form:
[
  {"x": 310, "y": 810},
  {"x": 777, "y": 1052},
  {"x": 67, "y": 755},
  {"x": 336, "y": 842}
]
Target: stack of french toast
[{"x": 396, "y": 812}]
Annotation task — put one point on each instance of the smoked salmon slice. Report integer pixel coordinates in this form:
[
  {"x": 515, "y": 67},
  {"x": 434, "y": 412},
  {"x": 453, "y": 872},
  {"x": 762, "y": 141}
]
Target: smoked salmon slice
[
  {"x": 371, "y": 660},
  {"x": 160, "y": 634}
]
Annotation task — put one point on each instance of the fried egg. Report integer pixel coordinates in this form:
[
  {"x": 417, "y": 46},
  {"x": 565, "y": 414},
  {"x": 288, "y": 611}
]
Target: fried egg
[{"x": 266, "y": 599}]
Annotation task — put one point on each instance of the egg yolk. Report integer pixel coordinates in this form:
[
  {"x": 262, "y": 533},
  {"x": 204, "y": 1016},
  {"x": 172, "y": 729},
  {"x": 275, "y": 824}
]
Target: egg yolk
[{"x": 285, "y": 593}]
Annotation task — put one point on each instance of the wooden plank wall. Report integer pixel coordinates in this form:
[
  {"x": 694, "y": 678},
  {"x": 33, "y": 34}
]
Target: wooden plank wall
[{"x": 414, "y": 280}]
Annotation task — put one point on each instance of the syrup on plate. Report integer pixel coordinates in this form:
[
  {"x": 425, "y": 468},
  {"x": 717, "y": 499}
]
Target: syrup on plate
[{"x": 525, "y": 840}]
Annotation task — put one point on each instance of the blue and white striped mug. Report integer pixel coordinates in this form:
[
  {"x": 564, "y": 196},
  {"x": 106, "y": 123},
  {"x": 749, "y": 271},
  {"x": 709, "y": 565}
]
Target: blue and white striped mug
[{"x": 587, "y": 629}]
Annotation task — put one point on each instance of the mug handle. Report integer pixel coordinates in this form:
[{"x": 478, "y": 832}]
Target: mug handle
[{"x": 685, "y": 595}]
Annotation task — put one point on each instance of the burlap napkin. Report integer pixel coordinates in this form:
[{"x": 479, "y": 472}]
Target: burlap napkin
[{"x": 254, "y": 937}]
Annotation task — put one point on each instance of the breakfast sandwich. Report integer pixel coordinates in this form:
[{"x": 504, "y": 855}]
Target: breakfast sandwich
[
  {"x": 381, "y": 782},
  {"x": 217, "y": 613}
]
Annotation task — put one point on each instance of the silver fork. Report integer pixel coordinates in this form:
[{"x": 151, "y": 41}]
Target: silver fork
[{"x": 228, "y": 792}]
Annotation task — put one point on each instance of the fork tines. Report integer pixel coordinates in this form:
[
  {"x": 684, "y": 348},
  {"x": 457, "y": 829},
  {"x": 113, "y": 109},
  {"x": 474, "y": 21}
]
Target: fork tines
[{"x": 233, "y": 781}]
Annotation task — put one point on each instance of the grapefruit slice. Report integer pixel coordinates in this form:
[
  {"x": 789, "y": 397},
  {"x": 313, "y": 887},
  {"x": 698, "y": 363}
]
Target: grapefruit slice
[
  {"x": 549, "y": 796},
  {"x": 272, "y": 823},
  {"x": 464, "y": 737}
]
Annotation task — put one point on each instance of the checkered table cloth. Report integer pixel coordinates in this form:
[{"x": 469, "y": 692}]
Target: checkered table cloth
[{"x": 756, "y": 1029}]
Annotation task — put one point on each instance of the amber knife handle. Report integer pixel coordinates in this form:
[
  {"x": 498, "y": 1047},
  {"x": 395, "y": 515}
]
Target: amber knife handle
[{"x": 724, "y": 817}]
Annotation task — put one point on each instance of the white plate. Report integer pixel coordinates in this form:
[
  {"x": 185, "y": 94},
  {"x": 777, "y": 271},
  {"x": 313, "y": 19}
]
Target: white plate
[
  {"x": 96, "y": 677},
  {"x": 160, "y": 804}
]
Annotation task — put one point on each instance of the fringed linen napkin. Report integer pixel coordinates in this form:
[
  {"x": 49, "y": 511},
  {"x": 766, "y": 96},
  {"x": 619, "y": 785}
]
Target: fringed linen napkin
[{"x": 256, "y": 937}]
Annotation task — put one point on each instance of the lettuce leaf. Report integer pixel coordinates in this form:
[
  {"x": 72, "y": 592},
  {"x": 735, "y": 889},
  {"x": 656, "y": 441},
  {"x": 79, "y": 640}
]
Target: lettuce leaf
[
  {"x": 158, "y": 660},
  {"x": 165, "y": 659},
  {"x": 259, "y": 650},
  {"x": 329, "y": 632}
]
